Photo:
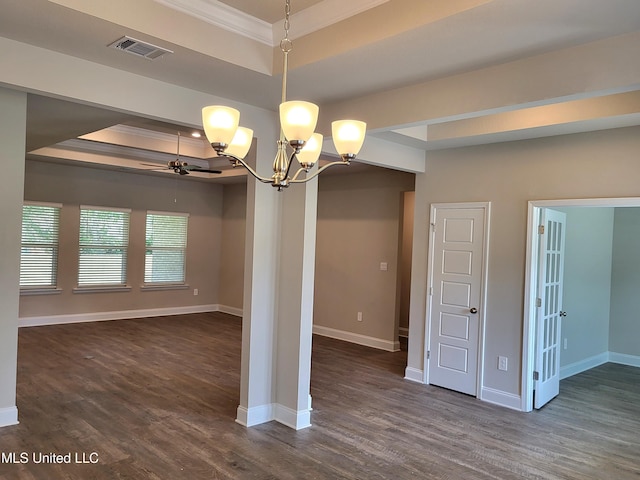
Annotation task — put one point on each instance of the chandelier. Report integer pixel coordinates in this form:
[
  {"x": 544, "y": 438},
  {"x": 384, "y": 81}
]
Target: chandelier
[{"x": 297, "y": 124}]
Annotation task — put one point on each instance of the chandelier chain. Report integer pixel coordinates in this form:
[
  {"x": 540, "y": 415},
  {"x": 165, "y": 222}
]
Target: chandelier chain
[
  {"x": 285, "y": 43},
  {"x": 287, "y": 13}
]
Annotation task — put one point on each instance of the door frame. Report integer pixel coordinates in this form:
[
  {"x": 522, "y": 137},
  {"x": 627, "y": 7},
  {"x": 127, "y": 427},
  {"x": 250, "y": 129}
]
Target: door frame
[
  {"x": 531, "y": 280},
  {"x": 486, "y": 206}
]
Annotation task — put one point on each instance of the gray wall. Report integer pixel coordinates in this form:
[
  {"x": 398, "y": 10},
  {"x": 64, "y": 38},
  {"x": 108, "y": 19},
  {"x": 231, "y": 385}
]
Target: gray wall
[
  {"x": 587, "y": 282},
  {"x": 76, "y": 185},
  {"x": 13, "y": 115},
  {"x": 624, "y": 333},
  {"x": 359, "y": 226},
  {"x": 408, "y": 208},
  {"x": 234, "y": 212},
  {"x": 590, "y": 165}
]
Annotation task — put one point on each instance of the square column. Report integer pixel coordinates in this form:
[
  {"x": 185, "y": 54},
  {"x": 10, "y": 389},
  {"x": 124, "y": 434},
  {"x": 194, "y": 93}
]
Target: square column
[
  {"x": 278, "y": 303},
  {"x": 13, "y": 120}
]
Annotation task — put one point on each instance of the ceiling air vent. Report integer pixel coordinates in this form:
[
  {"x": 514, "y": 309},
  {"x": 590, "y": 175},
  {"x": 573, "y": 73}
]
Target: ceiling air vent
[{"x": 139, "y": 48}]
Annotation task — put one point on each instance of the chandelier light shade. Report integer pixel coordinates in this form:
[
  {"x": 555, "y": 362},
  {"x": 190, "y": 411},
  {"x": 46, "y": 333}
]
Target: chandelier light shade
[
  {"x": 308, "y": 156},
  {"x": 348, "y": 136},
  {"x": 298, "y": 121},
  {"x": 220, "y": 123},
  {"x": 241, "y": 143}
]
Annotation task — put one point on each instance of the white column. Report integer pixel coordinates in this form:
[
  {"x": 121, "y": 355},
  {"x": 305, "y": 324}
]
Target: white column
[
  {"x": 278, "y": 302},
  {"x": 295, "y": 304},
  {"x": 13, "y": 115},
  {"x": 259, "y": 302}
]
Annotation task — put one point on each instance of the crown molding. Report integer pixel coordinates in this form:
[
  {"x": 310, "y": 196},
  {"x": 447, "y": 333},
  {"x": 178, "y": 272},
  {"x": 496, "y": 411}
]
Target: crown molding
[
  {"x": 223, "y": 16},
  {"x": 303, "y": 23}
]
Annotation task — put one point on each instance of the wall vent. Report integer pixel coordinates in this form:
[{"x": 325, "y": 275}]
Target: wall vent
[{"x": 139, "y": 48}]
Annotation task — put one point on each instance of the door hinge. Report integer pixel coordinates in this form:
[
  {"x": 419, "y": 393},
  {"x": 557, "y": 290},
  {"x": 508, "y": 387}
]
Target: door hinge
[
  {"x": 538, "y": 302},
  {"x": 536, "y": 375},
  {"x": 433, "y": 226},
  {"x": 428, "y": 354},
  {"x": 430, "y": 291},
  {"x": 541, "y": 229}
]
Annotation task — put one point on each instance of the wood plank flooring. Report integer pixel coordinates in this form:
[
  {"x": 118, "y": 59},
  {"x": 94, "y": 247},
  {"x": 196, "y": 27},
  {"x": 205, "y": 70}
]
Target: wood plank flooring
[{"x": 156, "y": 399}]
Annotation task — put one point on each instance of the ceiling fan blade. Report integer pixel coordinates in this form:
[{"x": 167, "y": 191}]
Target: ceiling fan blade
[{"x": 195, "y": 168}]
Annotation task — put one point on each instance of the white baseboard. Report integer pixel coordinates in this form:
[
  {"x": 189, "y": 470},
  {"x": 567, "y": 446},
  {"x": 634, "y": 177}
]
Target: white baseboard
[
  {"x": 230, "y": 310},
  {"x": 8, "y": 416},
  {"x": 624, "y": 359},
  {"x": 291, "y": 418},
  {"x": 254, "y": 415},
  {"x": 365, "y": 340},
  {"x": 498, "y": 397},
  {"x": 414, "y": 375},
  {"x": 116, "y": 315},
  {"x": 274, "y": 411},
  {"x": 403, "y": 332},
  {"x": 583, "y": 365}
]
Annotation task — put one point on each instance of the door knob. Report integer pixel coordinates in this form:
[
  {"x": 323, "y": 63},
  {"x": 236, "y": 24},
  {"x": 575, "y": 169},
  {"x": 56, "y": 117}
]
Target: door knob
[{"x": 474, "y": 310}]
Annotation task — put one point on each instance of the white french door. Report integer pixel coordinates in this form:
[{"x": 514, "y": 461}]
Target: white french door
[{"x": 549, "y": 306}]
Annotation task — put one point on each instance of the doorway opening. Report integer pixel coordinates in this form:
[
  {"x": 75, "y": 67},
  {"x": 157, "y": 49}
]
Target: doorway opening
[{"x": 530, "y": 349}]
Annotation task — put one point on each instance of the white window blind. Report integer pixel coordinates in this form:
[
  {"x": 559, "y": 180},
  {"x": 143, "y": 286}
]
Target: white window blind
[
  {"x": 39, "y": 250},
  {"x": 104, "y": 238},
  {"x": 166, "y": 245}
]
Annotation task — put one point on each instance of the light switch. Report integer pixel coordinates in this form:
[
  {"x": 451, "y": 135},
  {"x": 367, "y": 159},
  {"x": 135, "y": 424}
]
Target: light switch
[{"x": 384, "y": 266}]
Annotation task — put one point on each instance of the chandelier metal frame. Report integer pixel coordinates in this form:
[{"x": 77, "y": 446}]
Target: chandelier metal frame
[{"x": 297, "y": 122}]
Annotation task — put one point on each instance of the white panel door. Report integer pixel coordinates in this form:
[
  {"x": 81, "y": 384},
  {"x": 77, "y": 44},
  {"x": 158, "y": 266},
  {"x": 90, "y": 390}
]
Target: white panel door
[
  {"x": 455, "y": 297},
  {"x": 549, "y": 315}
]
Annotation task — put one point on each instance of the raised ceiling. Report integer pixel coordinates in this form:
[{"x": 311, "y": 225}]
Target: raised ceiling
[
  {"x": 351, "y": 48},
  {"x": 269, "y": 11}
]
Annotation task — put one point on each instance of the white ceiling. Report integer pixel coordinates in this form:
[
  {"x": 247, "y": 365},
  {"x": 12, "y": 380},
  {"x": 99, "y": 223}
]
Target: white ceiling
[{"x": 364, "y": 56}]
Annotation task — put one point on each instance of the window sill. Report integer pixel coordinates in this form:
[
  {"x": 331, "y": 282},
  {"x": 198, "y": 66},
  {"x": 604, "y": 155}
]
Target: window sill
[
  {"x": 167, "y": 286},
  {"x": 40, "y": 291},
  {"x": 102, "y": 289}
]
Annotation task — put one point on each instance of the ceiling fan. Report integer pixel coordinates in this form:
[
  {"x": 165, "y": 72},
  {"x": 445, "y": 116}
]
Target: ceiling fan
[{"x": 181, "y": 167}]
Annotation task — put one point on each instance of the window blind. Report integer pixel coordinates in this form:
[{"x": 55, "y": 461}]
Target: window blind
[
  {"x": 166, "y": 245},
  {"x": 39, "y": 249},
  {"x": 104, "y": 238}
]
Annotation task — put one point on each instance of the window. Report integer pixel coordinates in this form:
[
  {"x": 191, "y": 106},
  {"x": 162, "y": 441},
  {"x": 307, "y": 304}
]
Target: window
[
  {"x": 104, "y": 238},
  {"x": 39, "y": 250},
  {"x": 166, "y": 242}
]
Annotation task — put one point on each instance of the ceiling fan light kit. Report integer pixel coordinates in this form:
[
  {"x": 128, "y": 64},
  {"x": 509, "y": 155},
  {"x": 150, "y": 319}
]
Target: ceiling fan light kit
[{"x": 297, "y": 124}]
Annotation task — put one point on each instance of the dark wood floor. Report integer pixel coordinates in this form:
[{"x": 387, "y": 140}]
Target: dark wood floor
[{"x": 156, "y": 399}]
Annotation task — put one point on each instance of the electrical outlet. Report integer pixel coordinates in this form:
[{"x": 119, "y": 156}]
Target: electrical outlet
[
  {"x": 564, "y": 345},
  {"x": 359, "y": 316},
  {"x": 384, "y": 266},
  {"x": 195, "y": 291},
  {"x": 502, "y": 363}
]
